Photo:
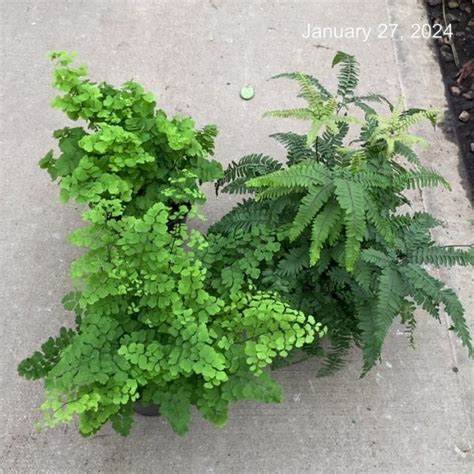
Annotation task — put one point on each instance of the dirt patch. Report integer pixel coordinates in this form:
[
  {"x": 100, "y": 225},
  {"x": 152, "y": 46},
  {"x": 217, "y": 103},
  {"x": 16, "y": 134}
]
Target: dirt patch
[{"x": 456, "y": 56}]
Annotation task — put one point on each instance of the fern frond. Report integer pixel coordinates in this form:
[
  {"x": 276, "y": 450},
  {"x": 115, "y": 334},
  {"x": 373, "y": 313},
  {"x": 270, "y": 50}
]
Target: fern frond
[
  {"x": 330, "y": 142},
  {"x": 394, "y": 128},
  {"x": 326, "y": 119},
  {"x": 371, "y": 179},
  {"x": 305, "y": 174},
  {"x": 419, "y": 219},
  {"x": 336, "y": 356},
  {"x": 430, "y": 114},
  {"x": 367, "y": 109},
  {"x": 278, "y": 191},
  {"x": 323, "y": 262},
  {"x": 313, "y": 132},
  {"x": 296, "y": 146},
  {"x": 442, "y": 256},
  {"x": 410, "y": 139},
  {"x": 408, "y": 319},
  {"x": 431, "y": 294},
  {"x": 376, "y": 323},
  {"x": 422, "y": 178},
  {"x": 372, "y": 97},
  {"x": 353, "y": 158},
  {"x": 309, "y": 207},
  {"x": 376, "y": 257},
  {"x": 237, "y": 186},
  {"x": 41, "y": 362},
  {"x": 336, "y": 233},
  {"x": 363, "y": 274},
  {"x": 425, "y": 289},
  {"x": 288, "y": 203},
  {"x": 293, "y": 262},
  {"x": 348, "y": 76},
  {"x": 249, "y": 166},
  {"x": 294, "y": 75},
  {"x": 308, "y": 91},
  {"x": 322, "y": 225},
  {"x": 454, "y": 309},
  {"x": 245, "y": 216},
  {"x": 351, "y": 198},
  {"x": 383, "y": 225},
  {"x": 360, "y": 101},
  {"x": 414, "y": 231},
  {"x": 407, "y": 152},
  {"x": 365, "y": 313}
]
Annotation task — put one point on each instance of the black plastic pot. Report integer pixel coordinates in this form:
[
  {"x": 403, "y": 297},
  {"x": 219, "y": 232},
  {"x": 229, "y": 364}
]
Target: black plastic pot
[{"x": 147, "y": 410}]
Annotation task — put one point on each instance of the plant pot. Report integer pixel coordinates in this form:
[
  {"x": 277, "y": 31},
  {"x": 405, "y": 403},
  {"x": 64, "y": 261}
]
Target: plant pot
[{"x": 147, "y": 410}]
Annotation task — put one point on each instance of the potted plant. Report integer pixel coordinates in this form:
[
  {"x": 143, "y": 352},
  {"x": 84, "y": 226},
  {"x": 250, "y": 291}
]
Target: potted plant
[
  {"x": 348, "y": 250},
  {"x": 148, "y": 328}
]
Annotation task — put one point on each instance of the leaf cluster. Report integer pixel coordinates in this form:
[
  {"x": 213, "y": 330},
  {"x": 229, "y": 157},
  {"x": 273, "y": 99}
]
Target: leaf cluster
[{"x": 129, "y": 149}]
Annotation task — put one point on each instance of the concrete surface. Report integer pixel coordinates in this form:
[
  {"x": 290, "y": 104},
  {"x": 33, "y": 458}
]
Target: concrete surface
[{"x": 413, "y": 413}]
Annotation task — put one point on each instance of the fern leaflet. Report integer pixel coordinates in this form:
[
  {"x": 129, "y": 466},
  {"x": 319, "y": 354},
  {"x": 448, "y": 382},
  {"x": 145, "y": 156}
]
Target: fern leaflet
[{"x": 350, "y": 196}]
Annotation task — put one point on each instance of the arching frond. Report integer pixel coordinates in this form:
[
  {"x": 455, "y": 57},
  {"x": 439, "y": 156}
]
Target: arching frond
[
  {"x": 305, "y": 174},
  {"x": 348, "y": 76},
  {"x": 309, "y": 207},
  {"x": 350, "y": 197},
  {"x": 325, "y": 94},
  {"x": 238, "y": 173},
  {"x": 296, "y": 146}
]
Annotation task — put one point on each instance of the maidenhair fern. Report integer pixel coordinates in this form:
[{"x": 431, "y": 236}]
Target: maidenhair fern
[
  {"x": 150, "y": 323},
  {"x": 345, "y": 251}
]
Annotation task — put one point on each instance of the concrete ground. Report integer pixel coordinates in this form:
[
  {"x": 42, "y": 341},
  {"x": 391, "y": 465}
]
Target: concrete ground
[{"x": 413, "y": 413}]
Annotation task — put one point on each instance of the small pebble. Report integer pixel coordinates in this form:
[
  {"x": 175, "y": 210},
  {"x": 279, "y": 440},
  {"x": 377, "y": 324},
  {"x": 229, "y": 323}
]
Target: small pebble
[
  {"x": 464, "y": 116},
  {"x": 453, "y": 4},
  {"x": 455, "y": 90},
  {"x": 469, "y": 95},
  {"x": 472, "y": 147}
]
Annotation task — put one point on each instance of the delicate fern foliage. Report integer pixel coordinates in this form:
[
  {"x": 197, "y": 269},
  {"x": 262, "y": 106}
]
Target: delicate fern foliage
[
  {"x": 41, "y": 362},
  {"x": 322, "y": 226},
  {"x": 244, "y": 217},
  {"x": 361, "y": 102},
  {"x": 309, "y": 208},
  {"x": 393, "y": 129},
  {"x": 323, "y": 92},
  {"x": 293, "y": 262},
  {"x": 346, "y": 253},
  {"x": 348, "y": 77},
  {"x": 296, "y": 147},
  {"x": 321, "y": 110},
  {"x": 237, "y": 174},
  {"x": 152, "y": 324}
]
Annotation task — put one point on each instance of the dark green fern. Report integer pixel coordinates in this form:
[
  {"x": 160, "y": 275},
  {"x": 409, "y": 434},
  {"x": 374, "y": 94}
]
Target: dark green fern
[{"x": 345, "y": 252}]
